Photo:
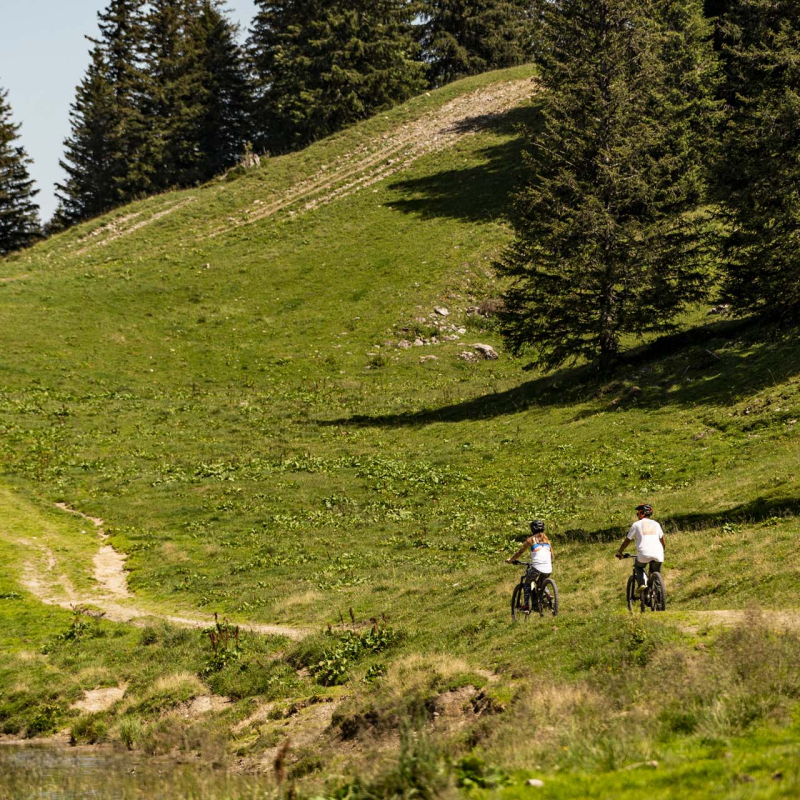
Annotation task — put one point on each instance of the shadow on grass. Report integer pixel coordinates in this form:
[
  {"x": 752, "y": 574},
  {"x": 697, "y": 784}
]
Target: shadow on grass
[
  {"x": 753, "y": 512},
  {"x": 477, "y": 193},
  {"x": 690, "y": 373}
]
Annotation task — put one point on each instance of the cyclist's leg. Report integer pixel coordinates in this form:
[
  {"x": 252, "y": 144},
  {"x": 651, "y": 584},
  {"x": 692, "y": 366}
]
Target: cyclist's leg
[
  {"x": 639, "y": 567},
  {"x": 530, "y": 577},
  {"x": 655, "y": 566}
]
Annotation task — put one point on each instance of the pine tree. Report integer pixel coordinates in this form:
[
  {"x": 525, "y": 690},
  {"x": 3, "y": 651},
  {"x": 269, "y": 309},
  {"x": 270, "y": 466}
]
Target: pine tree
[
  {"x": 121, "y": 42},
  {"x": 106, "y": 126},
  {"x": 90, "y": 159},
  {"x": 758, "y": 165},
  {"x": 466, "y": 37},
  {"x": 225, "y": 122},
  {"x": 321, "y": 66},
  {"x": 174, "y": 98},
  {"x": 605, "y": 245},
  {"x": 19, "y": 215}
]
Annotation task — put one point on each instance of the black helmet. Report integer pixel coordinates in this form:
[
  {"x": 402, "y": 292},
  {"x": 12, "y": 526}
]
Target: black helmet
[
  {"x": 537, "y": 526},
  {"x": 646, "y": 509}
]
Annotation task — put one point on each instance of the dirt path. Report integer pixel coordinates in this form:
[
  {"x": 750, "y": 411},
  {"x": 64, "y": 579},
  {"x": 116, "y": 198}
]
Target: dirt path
[
  {"x": 112, "y": 596},
  {"x": 122, "y": 226},
  {"x": 780, "y": 619},
  {"x": 365, "y": 166}
]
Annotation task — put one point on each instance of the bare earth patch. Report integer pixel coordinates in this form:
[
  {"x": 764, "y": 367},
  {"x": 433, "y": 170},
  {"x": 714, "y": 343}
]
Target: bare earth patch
[{"x": 100, "y": 699}]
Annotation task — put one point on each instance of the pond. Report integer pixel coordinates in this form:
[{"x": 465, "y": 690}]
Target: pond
[{"x": 55, "y": 772}]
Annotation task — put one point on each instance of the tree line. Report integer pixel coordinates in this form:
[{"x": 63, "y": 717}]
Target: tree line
[{"x": 666, "y": 165}]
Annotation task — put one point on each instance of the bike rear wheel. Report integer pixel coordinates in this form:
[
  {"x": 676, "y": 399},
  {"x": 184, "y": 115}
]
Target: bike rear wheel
[
  {"x": 630, "y": 593},
  {"x": 658, "y": 594},
  {"x": 517, "y": 603},
  {"x": 549, "y": 599}
]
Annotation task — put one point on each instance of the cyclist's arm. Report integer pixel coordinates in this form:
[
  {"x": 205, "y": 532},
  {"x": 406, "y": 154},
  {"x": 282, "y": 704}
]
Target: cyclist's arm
[
  {"x": 664, "y": 544},
  {"x": 625, "y": 542},
  {"x": 519, "y": 552}
]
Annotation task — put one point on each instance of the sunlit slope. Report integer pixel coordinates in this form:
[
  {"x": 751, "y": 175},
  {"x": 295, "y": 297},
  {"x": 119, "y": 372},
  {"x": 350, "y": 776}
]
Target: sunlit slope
[{"x": 217, "y": 374}]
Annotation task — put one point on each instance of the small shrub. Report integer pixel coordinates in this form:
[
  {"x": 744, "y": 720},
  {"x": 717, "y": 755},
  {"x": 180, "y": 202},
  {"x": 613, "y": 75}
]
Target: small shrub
[
  {"x": 129, "y": 731},
  {"x": 88, "y": 729},
  {"x": 225, "y": 646},
  {"x": 148, "y": 636}
]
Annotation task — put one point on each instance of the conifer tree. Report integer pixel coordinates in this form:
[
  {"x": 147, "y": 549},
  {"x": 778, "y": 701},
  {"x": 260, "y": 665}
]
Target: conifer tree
[
  {"x": 91, "y": 162},
  {"x": 19, "y": 214},
  {"x": 320, "y": 66},
  {"x": 174, "y": 98},
  {"x": 604, "y": 244},
  {"x": 121, "y": 42},
  {"x": 465, "y": 37},
  {"x": 107, "y": 132},
  {"x": 225, "y": 121},
  {"x": 758, "y": 165}
]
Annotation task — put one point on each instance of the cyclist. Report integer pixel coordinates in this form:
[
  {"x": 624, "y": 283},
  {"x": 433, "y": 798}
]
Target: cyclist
[
  {"x": 541, "y": 560},
  {"x": 650, "y": 545}
]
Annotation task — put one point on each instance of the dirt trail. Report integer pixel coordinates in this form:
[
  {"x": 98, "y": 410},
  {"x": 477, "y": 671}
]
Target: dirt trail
[
  {"x": 780, "y": 619},
  {"x": 434, "y": 131},
  {"x": 113, "y": 597},
  {"x": 118, "y": 228}
]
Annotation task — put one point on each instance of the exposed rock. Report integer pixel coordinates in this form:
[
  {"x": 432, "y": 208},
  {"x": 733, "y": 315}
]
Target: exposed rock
[
  {"x": 404, "y": 344},
  {"x": 250, "y": 160},
  {"x": 535, "y": 782},
  {"x": 468, "y": 356},
  {"x": 634, "y": 391},
  {"x": 423, "y": 359},
  {"x": 441, "y": 311},
  {"x": 722, "y": 308},
  {"x": 486, "y": 351},
  {"x": 418, "y": 342}
]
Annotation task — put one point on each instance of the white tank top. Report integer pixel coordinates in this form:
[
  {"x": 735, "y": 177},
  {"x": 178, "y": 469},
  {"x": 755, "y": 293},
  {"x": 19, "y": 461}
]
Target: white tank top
[{"x": 541, "y": 558}]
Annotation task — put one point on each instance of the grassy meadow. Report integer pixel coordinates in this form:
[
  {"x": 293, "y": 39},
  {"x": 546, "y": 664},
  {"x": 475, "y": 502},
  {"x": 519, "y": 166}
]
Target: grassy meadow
[{"x": 235, "y": 406}]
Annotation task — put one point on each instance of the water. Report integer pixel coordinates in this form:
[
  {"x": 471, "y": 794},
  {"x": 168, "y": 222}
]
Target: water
[{"x": 52, "y": 772}]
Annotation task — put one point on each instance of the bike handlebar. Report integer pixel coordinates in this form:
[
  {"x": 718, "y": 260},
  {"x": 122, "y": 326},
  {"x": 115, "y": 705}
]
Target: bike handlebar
[{"x": 518, "y": 563}]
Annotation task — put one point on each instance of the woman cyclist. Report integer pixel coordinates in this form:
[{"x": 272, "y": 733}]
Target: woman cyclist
[{"x": 541, "y": 560}]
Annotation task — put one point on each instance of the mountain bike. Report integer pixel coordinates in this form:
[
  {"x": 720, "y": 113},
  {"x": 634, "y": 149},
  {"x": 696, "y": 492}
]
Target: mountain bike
[
  {"x": 654, "y": 597},
  {"x": 544, "y": 599}
]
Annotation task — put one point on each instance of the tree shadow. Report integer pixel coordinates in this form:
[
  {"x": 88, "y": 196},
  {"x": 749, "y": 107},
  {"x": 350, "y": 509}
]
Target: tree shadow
[
  {"x": 477, "y": 193},
  {"x": 679, "y": 369},
  {"x": 753, "y": 512}
]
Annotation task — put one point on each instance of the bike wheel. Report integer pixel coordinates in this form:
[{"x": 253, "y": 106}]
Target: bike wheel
[
  {"x": 630, "y": 593},
  {"x": 658, "y": 594},
  {"x": 549, "y": 598},
  {"x": 517, "y": 602}
]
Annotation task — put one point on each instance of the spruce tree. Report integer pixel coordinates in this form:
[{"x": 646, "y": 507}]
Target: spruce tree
[
  {"x": 90, "y": 161},
  {"x": 224, "y": 125},
  {"x": 121, "y": 42},
  {"x": 466, "y": 37},
  {"x": 174, "y": 97},
  {"x": 758, "y": 165},
  {"x": 605, "y": 244},
  {"x": 19, "y": 214},
  {"x": 320, "y": 66}
]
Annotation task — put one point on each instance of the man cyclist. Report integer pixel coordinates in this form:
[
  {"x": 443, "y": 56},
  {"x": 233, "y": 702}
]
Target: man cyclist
[
  {"x": 541, "y": 565},
  {"x": 650, "y": 544}
]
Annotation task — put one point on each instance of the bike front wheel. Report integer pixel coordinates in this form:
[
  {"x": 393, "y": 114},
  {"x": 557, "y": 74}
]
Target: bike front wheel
[
  {"x": 549, "y": 600},
  {"x": 658, "y": 594},
  {"x": 630, "y": 593},
  {"x": 517, "y": 603}
]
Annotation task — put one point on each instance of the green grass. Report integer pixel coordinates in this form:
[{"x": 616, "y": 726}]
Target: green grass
[{"x": 222, "y": 403}]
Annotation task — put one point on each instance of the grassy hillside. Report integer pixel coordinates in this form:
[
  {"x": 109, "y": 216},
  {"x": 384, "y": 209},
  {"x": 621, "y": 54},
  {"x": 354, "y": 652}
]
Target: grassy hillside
[{"x": 221, "y": 375}]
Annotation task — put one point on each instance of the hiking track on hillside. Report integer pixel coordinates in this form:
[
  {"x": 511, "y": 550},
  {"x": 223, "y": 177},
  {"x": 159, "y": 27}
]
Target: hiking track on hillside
[{"x": 112, "y": 596}]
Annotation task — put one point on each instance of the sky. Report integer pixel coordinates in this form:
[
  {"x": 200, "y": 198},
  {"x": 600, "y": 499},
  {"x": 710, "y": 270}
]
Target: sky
[{"x": 43, "y": 56}]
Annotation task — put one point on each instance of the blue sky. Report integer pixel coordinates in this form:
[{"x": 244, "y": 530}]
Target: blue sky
[{"x": 43, "y": 55}]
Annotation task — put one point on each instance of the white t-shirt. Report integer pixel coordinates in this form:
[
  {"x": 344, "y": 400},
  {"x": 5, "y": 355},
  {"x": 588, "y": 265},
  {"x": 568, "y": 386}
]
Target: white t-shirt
[
  {"x": 648, "y": 535},
  {"x": 541, "y": 557}
]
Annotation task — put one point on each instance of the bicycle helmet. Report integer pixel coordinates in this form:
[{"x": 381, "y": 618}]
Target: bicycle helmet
[
  {"x": 646, "y": 509},
  {"x": 537, "y": 526}
]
